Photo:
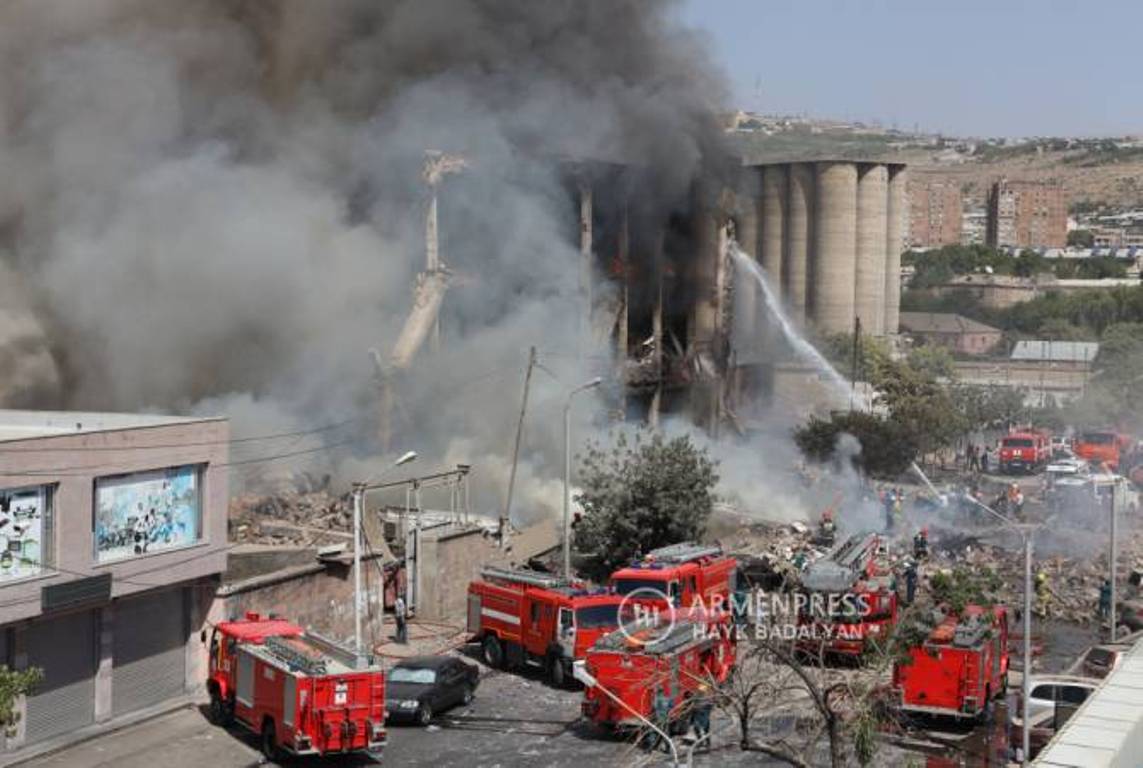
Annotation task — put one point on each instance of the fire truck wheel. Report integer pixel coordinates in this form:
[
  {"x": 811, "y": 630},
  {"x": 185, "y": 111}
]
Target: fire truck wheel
[
  {"x": 269, "y": 741},
  {"x": 219, "y": 712},
  {"x": 424, "y": 715},
  {"x": 556, "y": 671},
  {"x": 493, "y": 652}
]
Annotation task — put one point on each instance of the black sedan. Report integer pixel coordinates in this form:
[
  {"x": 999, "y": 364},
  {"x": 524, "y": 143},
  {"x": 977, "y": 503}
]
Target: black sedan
[{"x": 417, "y": 688}]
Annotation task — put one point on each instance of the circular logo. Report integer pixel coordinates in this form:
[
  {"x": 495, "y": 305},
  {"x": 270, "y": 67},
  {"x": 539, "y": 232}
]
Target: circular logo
[{"x": 645, "y": 616}]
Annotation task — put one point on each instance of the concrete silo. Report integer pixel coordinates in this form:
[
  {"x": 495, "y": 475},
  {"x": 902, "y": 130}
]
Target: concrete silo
[
  {"x": 774, "y": 201},
  {"x": 833, "y": 263},
  {"x": 799, "y": 238},
  {"x": 896, "y": 204},
  {"x": 872, "y": 234}
]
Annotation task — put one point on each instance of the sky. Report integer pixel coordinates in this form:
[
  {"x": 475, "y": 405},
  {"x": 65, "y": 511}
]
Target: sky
[{"x": 962, "y": 67}]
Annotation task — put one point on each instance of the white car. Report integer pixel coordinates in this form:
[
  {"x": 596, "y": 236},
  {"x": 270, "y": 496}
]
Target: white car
[{"x": 1053, "y": 695}]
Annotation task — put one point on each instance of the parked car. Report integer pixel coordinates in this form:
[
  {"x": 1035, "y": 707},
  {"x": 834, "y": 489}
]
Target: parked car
[
  {"x": 1100, "y": 660},
  {"x": 418, "y": 688},
  {"x": 1054, "y": 698}
]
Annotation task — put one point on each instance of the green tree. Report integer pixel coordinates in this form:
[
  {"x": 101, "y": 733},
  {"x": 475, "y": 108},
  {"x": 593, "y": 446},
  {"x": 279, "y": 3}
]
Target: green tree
[
  {"x": 1081, "y": 238},
  {"x": 934, "y": 361},
  {"x": 13, "y": 685},
  {"x": 920, "y": 406},
  {"x": 886, "y": 449},
  {"x": 1028, "y": 264},
  {"x": 641, "y": 493}
]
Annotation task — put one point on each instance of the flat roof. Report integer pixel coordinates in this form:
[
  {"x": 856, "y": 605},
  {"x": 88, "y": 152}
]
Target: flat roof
[
  {"x": 25, "y": 425},
  {"x": 1107, "y": 730}
]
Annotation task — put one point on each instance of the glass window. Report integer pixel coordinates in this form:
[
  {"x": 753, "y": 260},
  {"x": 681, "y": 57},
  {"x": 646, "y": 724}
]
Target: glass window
[
  {"x": 595, "y": 616},
  {"x": 1072, "y": 694},
  {"x": 27, "y": 540},
  {"x": 412, "y": 675},
  {"x": 146, "y": 512}
]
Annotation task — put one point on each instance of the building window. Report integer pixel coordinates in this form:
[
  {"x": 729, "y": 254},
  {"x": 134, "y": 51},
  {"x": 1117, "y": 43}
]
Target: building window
[
  {"x": 27, "y": 540},
  {"x": 145, "y": 512}
]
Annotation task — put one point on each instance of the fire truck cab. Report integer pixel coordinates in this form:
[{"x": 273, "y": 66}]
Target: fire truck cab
[
  {"x": 960, "y": 667},
  {"x": 686, "y": 573},
  {"x": 521, "y": 616},
  {"x": 849, "y": 600},
  {"x": 625, "y": 669},
  {"x": 301, "y": 693},
  {"x": 1024, "y": 452}
]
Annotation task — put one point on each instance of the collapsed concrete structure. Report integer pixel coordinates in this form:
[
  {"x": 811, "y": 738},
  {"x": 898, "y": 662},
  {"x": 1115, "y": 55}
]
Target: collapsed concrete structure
[{"x": 692, "y": 336}]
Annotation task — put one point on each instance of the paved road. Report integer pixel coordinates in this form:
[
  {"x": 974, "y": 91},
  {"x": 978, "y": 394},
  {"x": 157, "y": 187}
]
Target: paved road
[{"x": 514, "y": 721}]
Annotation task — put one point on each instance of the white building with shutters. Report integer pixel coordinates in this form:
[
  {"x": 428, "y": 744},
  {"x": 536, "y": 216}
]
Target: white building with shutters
[{"x": 112, "y": 541}]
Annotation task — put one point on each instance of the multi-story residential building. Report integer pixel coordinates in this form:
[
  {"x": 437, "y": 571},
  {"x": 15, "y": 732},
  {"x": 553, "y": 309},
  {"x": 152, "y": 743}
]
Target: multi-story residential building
[
  {"x": 112, "y": 540},
  {"x": 1027, "y": 214},
  {"x": 934, "y": 212}
]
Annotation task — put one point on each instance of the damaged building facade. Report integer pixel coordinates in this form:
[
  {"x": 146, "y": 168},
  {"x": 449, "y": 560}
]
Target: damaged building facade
[{"x": 693, "y": 331}]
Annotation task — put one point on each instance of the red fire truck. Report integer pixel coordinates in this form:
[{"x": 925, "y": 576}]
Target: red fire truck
[
  {"x": 521, "y": 616},
  {"x": 625, "y": 669},
  {"x": 1104, "y": 446},
  {"x": 1024, "y": 451},
  {"x": 302, "y": 693},
  {"x": 960, "y": 667},
  {"x": 683, "y": 572},
  {"x": 848, "y": 600}
]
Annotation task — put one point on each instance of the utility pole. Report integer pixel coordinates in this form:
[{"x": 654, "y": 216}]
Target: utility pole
[
  {"x": 567, "y": 471},
  {"x": 506, "y": 518},
  {"x": 358, "y": 597},
  {"x": 856, "y": 358},
  {"x": 1112, "y": 558}
]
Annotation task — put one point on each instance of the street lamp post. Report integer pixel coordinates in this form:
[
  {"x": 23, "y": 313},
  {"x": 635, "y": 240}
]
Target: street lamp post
[
  {"x": 567, "y": 470},
  {"x": 1025, "y": 533},
  {"x": 358, "y": 597}
]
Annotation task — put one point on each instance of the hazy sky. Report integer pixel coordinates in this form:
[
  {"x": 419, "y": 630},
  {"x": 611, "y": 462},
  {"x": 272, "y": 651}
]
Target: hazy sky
[{"x": 979, "y": 67}]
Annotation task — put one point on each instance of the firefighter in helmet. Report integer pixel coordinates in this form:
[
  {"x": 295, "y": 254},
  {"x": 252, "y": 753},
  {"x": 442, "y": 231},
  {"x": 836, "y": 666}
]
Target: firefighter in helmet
[{"x": 921, "y": 544}]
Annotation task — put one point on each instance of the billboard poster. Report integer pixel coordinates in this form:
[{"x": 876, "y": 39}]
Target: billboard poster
[
  {"x": 146, "y": 512},
  {"x": 24, "y": 531}
]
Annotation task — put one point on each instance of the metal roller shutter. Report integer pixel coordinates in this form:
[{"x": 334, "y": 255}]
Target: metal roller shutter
[
  {"x": 149, "y": 656},
  {"x": 64, "y": 648}
]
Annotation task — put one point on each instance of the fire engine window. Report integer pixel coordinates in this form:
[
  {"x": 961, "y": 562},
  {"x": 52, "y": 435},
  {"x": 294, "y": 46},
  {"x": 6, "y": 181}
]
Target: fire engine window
[
  {"x": 691, "y": 587},
  {"x": 673, "y": 591},
  {"x": 535, "y": 613},
  {"x": 565, "y": 620}
]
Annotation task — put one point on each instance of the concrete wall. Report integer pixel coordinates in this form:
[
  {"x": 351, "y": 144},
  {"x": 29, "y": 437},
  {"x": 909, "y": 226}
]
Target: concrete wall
[
  {"x": 872, "y": 239},
  {"x": 834, "y": 256},
  {"x": 318, "y": 596},
  {"x": 84, "y": 456}
]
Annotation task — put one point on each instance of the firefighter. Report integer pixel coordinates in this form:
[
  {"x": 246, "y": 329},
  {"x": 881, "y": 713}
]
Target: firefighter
[
  {"x": 661, "y": 715},
  {"x": 984, "y": 459},
  {"x": 1105, "y": 599},
  {"x": 702, "y": 705},
  {"x": 1043, "y": 595},
  {"x": 898, "y": 506},
  {"x": 910, "y": 582},
  {"x": 827, "y": 529},
  {"x": 401, "y": 614},
  {"x": 921, "y": 544}
]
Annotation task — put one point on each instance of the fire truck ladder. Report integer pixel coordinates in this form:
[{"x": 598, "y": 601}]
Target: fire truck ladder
[
  {"x": 295, "y": 657},
  {"x": 855, "y": 551},
  {"x": 684, "y": 552},
  {"x": 525, "y": 576}
]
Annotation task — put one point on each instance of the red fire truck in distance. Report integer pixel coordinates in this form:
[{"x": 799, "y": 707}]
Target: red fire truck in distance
[
  {"x": 848, "y": 600},
  {"x": 302, "y": 693},
  {"x": 631, "y": 666},
  {"x": 959, "y": 668},
  {"x": 683, "y": 572},
  {"x": 1024, "y": 452},
  {"x": 521, "y": 616}
]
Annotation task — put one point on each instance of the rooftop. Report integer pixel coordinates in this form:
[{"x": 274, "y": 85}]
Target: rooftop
[
  {"x": 1107, "y": 730},
  {"x": 24, "y": 425},
  {"x": 942, "y": 322},
  {"x": 1056, "y": 351}
]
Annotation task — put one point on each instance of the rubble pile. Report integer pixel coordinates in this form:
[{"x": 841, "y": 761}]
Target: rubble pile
[{"x": 288, "y": 517}]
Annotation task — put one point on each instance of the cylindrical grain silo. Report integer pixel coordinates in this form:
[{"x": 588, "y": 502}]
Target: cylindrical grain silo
[
  {"x": 744, "y": 308},
  {"x": 872, "y": 242},
  {"x": 746, "y": 211},
  {"x": 799, "y": 238},
  {"x": 896, "y": 204},
  {"x": 834, "y": 259},
  {"x": 774, "y": 198}
]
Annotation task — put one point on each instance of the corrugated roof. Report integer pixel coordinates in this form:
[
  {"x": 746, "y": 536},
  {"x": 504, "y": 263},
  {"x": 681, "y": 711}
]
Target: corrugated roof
[
  {"x": 942, "y": 322},
  {"x": 1056, "y": 351},
  {"x": 1107, "y": 730}
]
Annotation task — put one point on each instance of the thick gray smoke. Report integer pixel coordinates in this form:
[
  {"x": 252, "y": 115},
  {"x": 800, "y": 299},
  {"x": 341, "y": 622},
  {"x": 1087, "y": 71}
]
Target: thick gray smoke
[{"x": 217, "y": 206}]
